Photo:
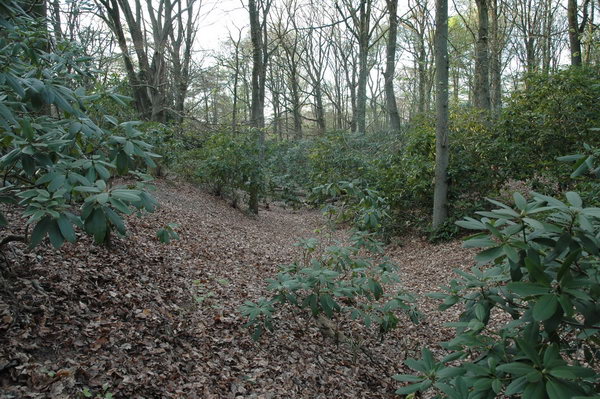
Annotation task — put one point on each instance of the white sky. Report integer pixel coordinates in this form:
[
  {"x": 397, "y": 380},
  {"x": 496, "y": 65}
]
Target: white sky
[{"x": 218, "y": 18}]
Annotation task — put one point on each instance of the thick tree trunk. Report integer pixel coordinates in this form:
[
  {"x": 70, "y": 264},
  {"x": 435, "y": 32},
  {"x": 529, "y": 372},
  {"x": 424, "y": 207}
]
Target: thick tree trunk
[
  {"x": 531, "y": 60},
  {"x": 482, "y": 62},
  {"x": 257, "y": 116},
  {"x": 258, "y": 37},
  {"x": 319, "y": 109},
  {"x": 440, "y": 195},
  {"x": 390, "y": 67},
  {"x": 56, "y": 20}
]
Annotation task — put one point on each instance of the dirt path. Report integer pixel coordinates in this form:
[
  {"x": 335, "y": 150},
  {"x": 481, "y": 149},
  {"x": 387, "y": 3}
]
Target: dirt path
[{"x": 148, "y": 320}]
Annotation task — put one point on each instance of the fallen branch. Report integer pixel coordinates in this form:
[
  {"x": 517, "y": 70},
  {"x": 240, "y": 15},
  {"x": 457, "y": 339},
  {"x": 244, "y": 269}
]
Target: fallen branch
[{"x": 11, "y": 238}]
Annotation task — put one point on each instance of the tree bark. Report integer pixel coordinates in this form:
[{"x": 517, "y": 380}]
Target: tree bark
[
  {"x": 257, "y": 116},
  {"x": 440, "y": 195},
  {"x": 495, "y": 60},
  {"x": 258, "y": 37},
  {"x": 422, "y": 77},
  {"x": 390, "y": 67},
  {"x": 482, "y": 62},
  {"x": 574, "y": 39},
  {"x": 363, "y": 54}
]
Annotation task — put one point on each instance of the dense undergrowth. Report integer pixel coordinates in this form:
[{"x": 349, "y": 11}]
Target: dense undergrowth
[{"x": 389, "y": 175}]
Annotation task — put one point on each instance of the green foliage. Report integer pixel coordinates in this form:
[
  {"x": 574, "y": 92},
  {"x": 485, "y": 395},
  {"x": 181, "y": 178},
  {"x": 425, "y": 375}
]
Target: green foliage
[
  {"x": 549, "y": 117},
  {"x": 168, "y": 233},
  {"x": 552, "y": 115},
  {"x": 353, "y": 202},
  {"x": 54, "y": 154},
  {"x": 227, "y": 163},
  {"x": 103, "y": 394},
  {"x": 405, "y": 177},
  {"x": 539, "y": 268},
  {"x": 339, "y": 156},
  {"x": 337, "y": 282},
  {"x": 288, "y": 170}
]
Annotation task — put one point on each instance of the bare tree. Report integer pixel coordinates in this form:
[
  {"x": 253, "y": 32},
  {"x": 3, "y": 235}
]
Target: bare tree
[
  {"x": 363, "y": 27},
  {"x": 182, "y": 37},
  {"x": 419, "y": 25}
]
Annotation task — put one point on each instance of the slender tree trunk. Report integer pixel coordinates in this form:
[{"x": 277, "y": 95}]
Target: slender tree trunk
[
  {"x": 482, "y": 63},
  {"x": 496, "y": 61},
  {"x": 296, "y": 106},
  {"x": 574, "y": 39},
  {"x": 422, "y": 72},
  {"x": 277, "y": 130},
  {"x": 390, "y": 66},
  {"x": 440, "y": 195},
  {"x": 353, "y": 95},
  {"x": 455, "y": 85},
  {"x": 363, "y": 68},
  {"x": 234, "y": 109}
]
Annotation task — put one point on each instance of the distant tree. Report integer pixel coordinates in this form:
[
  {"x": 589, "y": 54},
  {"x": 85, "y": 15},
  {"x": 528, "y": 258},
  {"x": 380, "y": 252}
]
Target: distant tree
[{"x": 363, "y": 26}]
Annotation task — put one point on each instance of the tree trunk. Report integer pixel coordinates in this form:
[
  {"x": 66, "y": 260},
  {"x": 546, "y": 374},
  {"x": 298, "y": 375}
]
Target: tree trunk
[
  {"x": 56, "y": 20},
  {"x": 482, "y": 63},
  {"x": 496, "y": 61},
  {"x": 363, "y": 68},
  {"x": 574, "y": 39},
  {"x": 296, "y": 106},
  {"x": 257, "y": 116},
  {"x": 351, "y": 81},
  {"x": 530, "y": 54},
  {"x": 440, "y": 195},
  {"x": 390, "y": 66},
  {"x": 422, "y": 72},
  {"x": 257, "y": 111},
  {"x": 234, "y": 106},
  {"x": 320, "y": 109}
]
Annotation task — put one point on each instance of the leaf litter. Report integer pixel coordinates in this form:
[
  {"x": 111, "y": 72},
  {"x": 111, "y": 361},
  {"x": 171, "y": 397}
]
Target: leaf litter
[{"x": 142, "y": 319}]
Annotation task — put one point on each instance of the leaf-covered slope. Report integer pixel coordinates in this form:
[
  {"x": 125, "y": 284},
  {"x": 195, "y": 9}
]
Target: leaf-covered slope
[{"x": 143, "y": 319}]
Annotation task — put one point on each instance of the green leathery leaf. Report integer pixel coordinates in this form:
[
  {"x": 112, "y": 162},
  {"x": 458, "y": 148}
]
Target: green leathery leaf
[
  {"x": 66, "y": 228},
  {"x": 545, "y": 307}
]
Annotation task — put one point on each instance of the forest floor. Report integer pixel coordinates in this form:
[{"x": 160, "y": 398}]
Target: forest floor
[{"x": 143, "y": 319}]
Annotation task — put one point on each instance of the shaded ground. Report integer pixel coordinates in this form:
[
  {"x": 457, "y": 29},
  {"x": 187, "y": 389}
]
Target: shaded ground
[{"x": 148, "y": 320}]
